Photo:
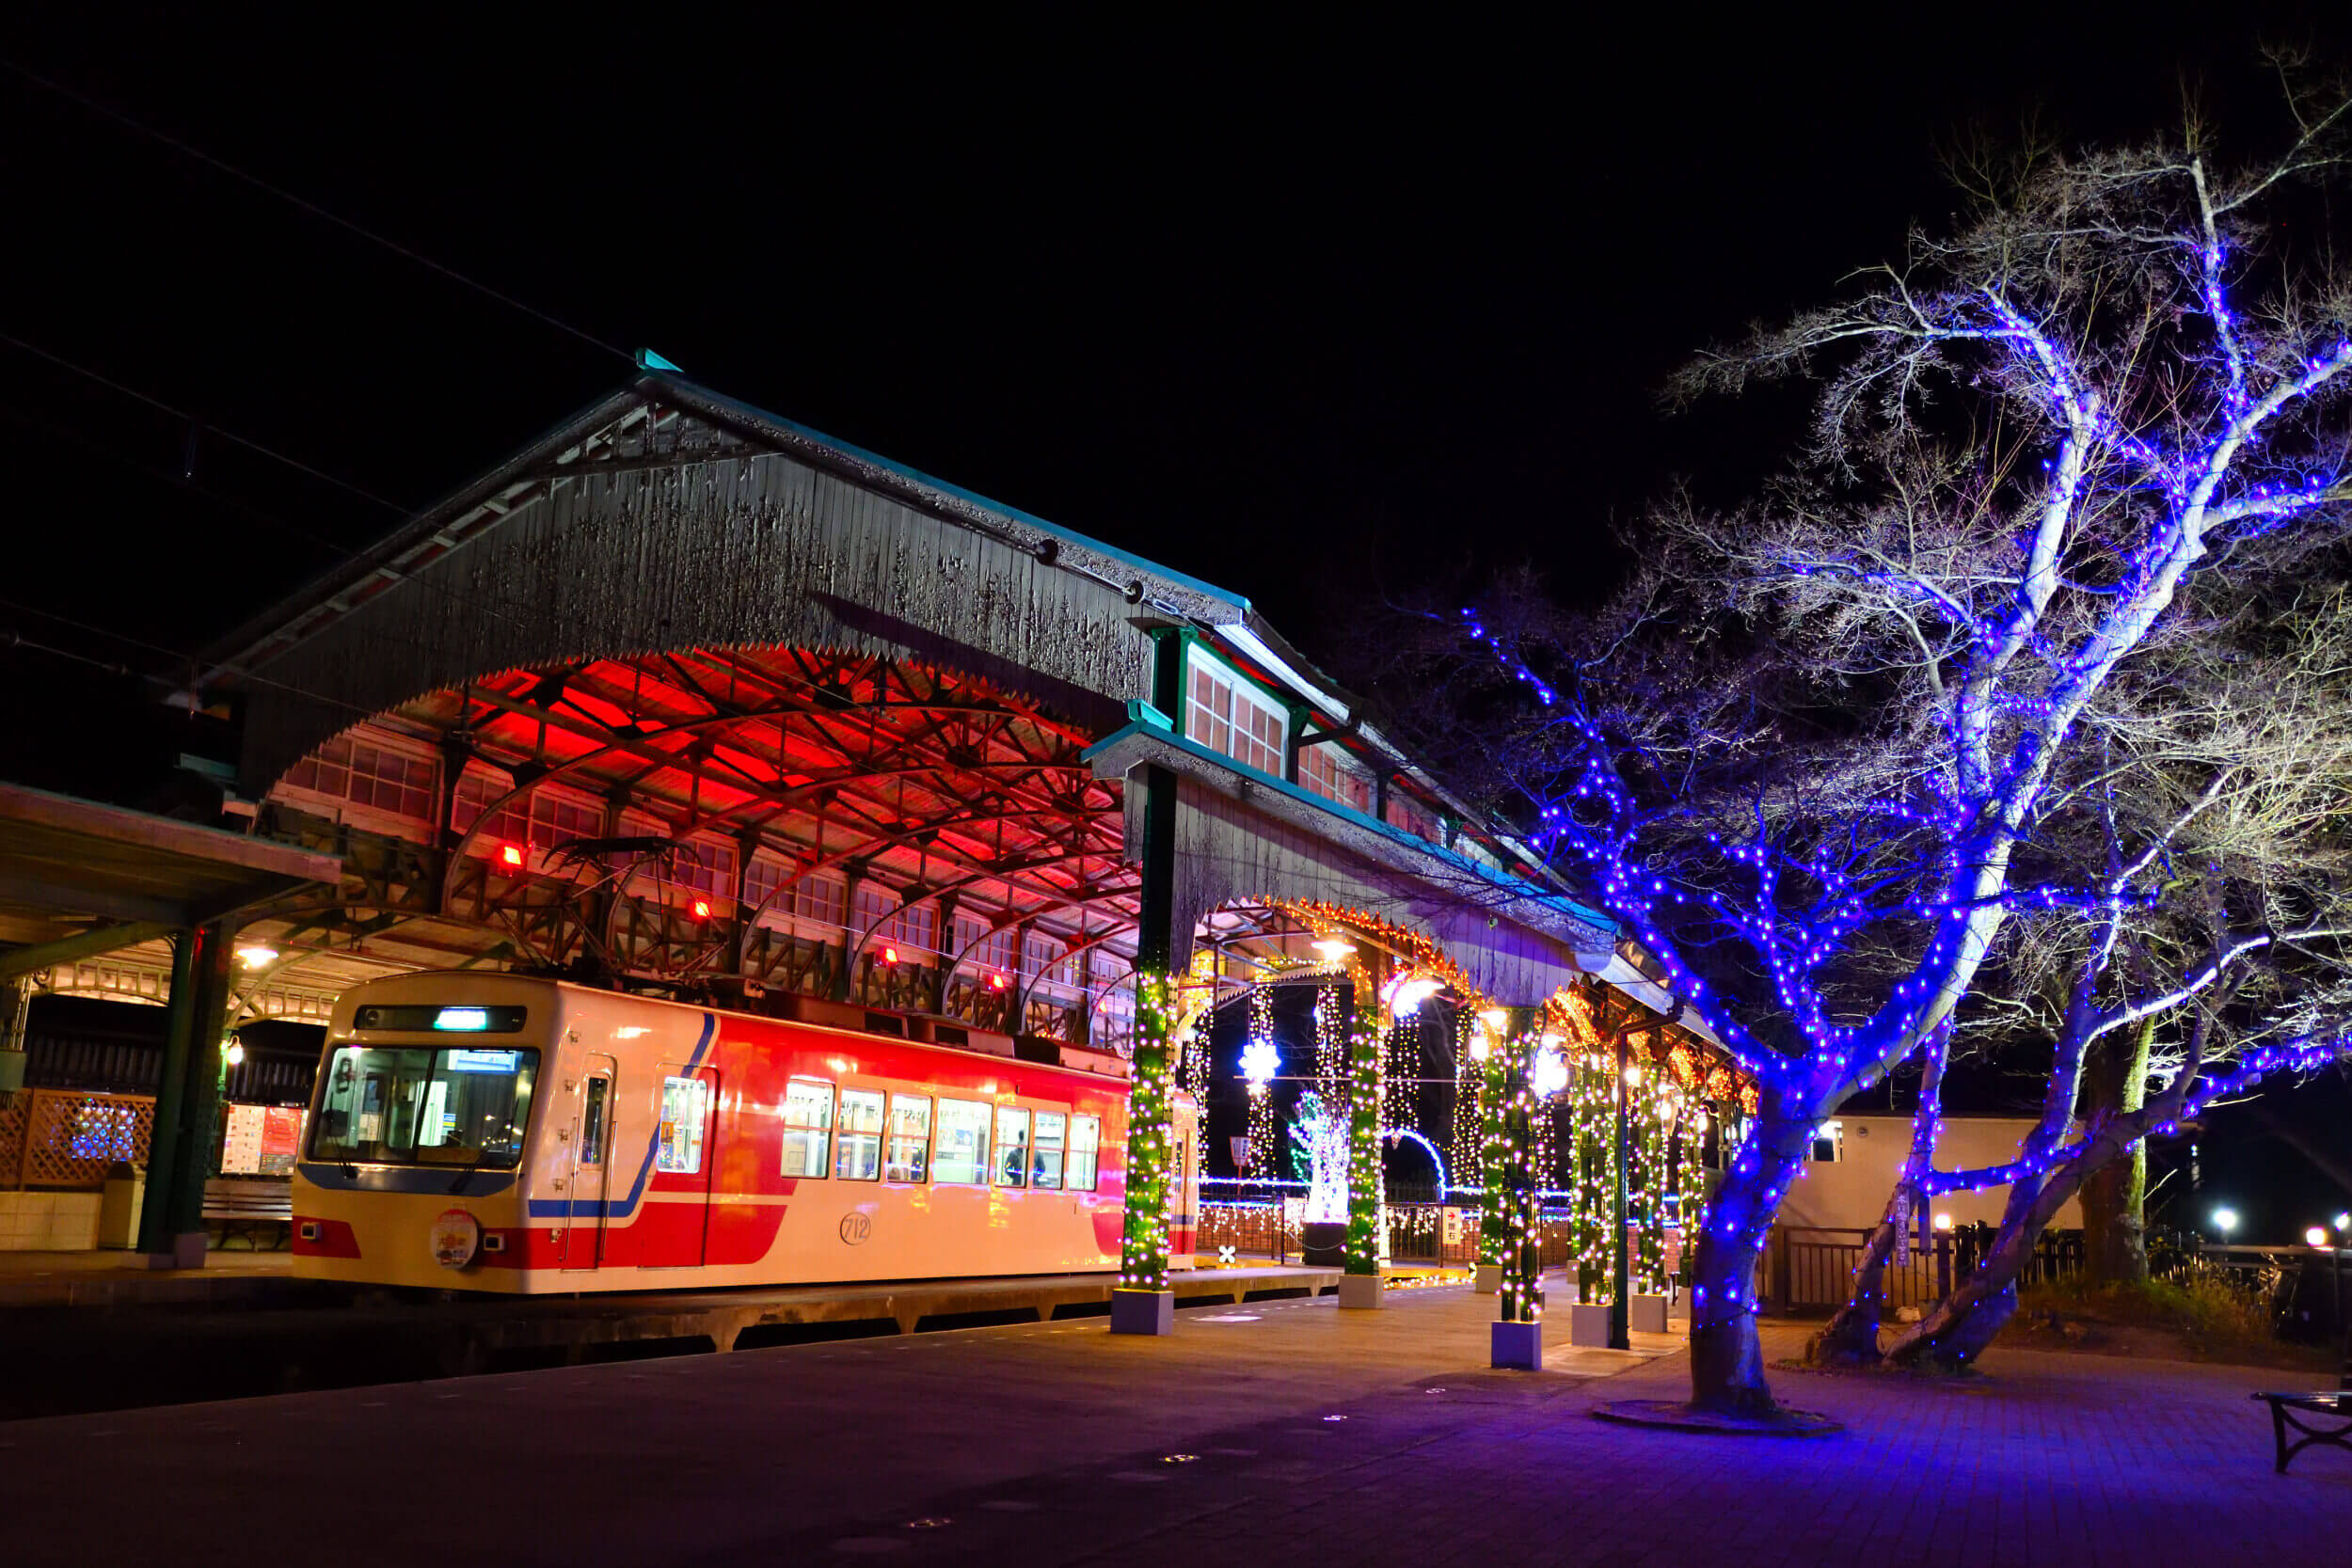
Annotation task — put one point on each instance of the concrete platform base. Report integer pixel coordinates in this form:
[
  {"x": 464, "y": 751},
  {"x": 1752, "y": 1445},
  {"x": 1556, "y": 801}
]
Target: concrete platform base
[
  {"x": 1646, "y": 1314},
  {"x": 1517, "y": 1345},
  {"x": 187, "y": 1252},
  {"x": 1489, "y": 1279},
  {"x": 1361, "y": 1292},
  {"x": 1588, "y": 1325},
  {"x": 1143, "y": 1311}
]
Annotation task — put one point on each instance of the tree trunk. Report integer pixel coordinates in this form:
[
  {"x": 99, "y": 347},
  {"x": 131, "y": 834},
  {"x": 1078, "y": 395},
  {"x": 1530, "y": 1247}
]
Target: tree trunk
[
  {"x": 2115, "y": 1244},
  {"x": 1727, "y": 1359},
  {"x": 1852, "y": 1339},
  {"x": 1957, "y": 1330}
]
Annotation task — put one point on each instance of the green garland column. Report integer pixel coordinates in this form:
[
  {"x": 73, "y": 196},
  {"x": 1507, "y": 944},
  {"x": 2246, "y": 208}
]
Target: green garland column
[
  {"x": 1143, "y": 1252},
  {"x": 1494, "y": 1153},
  {"x": 1365, "y": 1070},
  {"x": 1143, "y": 1304}
]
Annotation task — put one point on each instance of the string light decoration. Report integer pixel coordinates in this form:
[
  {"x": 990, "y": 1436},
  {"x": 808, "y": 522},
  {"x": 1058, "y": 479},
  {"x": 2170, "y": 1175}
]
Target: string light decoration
[
  {"x": 1367, "y": 1237},
  {"x": 1144, "y": 1245},
  {"x": 1465, "y": 1150},
  {"x": 1511, "y": 1190},
  {"x": 1259, "y": 1062},
  {"x": 1593, "y": 1173},
  {"x": 1647, "y": 1199}
]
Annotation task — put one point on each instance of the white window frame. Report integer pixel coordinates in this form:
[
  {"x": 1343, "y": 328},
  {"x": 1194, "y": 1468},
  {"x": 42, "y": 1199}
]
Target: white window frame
[
  {"x": 374, "y": 820},
  {"x": 1244, "y": 693}
]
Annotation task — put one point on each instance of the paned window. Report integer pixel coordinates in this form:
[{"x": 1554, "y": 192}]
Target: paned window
[
  {"x": 1012, "y": 1146},
  {"x": 366, "y": 774},
  {"x": 807, "y": 1126},
  {"x": 706, "y": 865},
  {"x": 857, "y": 1144},
  {"x": 543, "y": 820},
  {"x": 1405, "y": 814},
  {"x": 818, "y": 897},
  {"x": 1325, "y": 771},
  {"x": 1045, "y": 1153},
  {"x": 1827, "y": 1142},
  {"x": 962, "y": 1153},
  {"x": 1085, "y": 1143},
  {"x": 1041, "y": 956},
  {"x": 685, "y": 1105},
  {"x": 878, "y": 910},
  {"x": 760, "y": 879},
  {"x": 989, "y": 952},
  {"x": 909, "y": 1138},
  {"x": 1227, "y": 714}
]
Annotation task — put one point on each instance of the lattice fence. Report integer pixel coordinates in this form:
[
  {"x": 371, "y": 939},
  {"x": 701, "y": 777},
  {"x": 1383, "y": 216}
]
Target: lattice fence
[{"x": 66, "y": 1138}]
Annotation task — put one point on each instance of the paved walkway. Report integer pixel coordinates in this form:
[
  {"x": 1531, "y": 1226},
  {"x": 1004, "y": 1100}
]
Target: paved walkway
[{"x": 1059, "y": 1444}]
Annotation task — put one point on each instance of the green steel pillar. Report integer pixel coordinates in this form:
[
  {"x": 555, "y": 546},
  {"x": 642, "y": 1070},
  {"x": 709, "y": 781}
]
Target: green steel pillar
[
  {"x": 1367, "y": 1053},
  {"x": 1143, "y": 1303},
  {"x": 1621, "y": 1266},
  {"x": 187, "y": 1105}
]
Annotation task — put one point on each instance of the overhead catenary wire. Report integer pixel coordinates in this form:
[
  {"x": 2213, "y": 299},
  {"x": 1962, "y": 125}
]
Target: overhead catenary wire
[{"x": 324, "y": 215}]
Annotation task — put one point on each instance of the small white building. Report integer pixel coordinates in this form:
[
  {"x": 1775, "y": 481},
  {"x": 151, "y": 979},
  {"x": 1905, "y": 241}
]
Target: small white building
[{"x": 1855, "y": 1160}]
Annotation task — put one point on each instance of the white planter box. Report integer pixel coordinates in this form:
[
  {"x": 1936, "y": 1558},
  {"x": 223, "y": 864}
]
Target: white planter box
[
  {"x": 1588, "y": 1325},
  {"x": 1646, "y": 1314},
  {"x": 1359, "y": 1293},
  {"x": 1143, "y": 1311},
  {"x": 1518, "y": 1345},
  {"x": 1489, "y": 1278}
]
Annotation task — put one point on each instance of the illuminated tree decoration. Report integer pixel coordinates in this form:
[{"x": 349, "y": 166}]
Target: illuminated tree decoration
[
  {"x": 1143, "y": 1251},
  {"x": 1319, "y": 1155}
]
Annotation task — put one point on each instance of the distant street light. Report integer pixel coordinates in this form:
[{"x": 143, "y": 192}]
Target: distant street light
[
  {"x": 2316, "y": 1235},
  {"x": 2343, "y": 1222},
  {"x": 2225, "y": 1220}
]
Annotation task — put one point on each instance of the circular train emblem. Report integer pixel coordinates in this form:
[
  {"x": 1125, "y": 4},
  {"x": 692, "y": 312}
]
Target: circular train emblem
[
  {"x": 456, "y": 1236},
  {"x": 856, "y": 1225}
]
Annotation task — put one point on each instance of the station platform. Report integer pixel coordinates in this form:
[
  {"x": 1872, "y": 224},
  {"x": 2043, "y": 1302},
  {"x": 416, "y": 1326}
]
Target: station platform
[{"x": 114, "y": 1336}]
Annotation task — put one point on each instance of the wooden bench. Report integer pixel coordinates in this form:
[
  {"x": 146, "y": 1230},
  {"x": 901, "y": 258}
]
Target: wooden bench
[{"x": 252, "y": 1207}]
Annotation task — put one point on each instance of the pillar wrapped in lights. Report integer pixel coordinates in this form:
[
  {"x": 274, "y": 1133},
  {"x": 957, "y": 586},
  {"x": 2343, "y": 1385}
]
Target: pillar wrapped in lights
[
  {"x": 1143, "y": 1251},
  {"x": 1592, "y": 1172},
  {"x": 1653, "y": 1129},
  {"x": 1513, "y": 1196},
  {"x": 1366, "y": 1038}
]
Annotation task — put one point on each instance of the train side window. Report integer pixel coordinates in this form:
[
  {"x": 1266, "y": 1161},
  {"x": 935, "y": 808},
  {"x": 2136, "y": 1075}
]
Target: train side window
[
  {"x": 962, "y": 1153},
  {"x": 807, "y": 1126},
  {"x": 1045, "y": 1154},
  {"x": 909, "y": 1138},
  {"x": 1012, "y": 1146},
  {"x": 857, "y": 1141},
  {"x": 1085, "y": 1143},
  {"x": 592, "y": 1114},
  {"x": 685, "y": 1101}
]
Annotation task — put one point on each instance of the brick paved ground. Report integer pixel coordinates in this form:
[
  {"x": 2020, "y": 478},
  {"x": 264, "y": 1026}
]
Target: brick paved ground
[{"x": 1049, "y": 1445}]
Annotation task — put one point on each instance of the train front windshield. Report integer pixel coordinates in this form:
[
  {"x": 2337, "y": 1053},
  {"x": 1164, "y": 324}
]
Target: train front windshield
[{"x": 424, "y": 1106}]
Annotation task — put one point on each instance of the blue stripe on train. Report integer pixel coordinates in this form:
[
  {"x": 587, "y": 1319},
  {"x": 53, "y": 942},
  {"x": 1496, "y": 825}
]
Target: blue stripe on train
[{"x": 577, "y": 1207}]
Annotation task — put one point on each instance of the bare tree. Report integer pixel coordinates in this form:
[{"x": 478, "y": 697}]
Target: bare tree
[
  {"x": 2216, "y": 804},
  {"x": 1826, "y": 750}
]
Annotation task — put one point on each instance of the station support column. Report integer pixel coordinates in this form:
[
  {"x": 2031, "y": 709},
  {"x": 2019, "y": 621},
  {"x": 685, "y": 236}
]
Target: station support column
[
  {"x": 1367, "y": 1221},
  {"x": 188, "y": 1104},
  {"x": 1143, "y": 1303}
]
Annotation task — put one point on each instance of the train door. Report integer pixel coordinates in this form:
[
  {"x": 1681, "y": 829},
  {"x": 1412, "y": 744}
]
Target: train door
[
  {"x": 589, "y": 1184},
  {"x": 674, "y": 1222}
]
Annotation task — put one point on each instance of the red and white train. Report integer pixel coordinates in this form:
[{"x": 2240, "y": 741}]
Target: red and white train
[{"x": 497, "y": 1133}]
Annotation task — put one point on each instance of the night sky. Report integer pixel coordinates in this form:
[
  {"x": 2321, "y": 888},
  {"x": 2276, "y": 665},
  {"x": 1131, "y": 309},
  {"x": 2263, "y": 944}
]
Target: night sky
[{"x": 1300, "y": 308}]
